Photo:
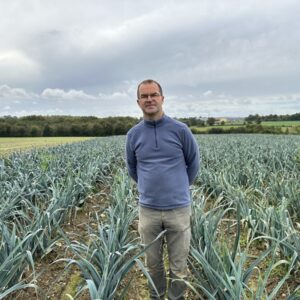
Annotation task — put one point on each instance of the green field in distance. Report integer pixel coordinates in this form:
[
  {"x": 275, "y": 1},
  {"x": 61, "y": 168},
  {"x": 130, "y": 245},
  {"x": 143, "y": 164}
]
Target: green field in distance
[
  {"x": 8, "y": 145},
  {"x": 281, "y": 123},
  {"x": 293, "y": 126}
]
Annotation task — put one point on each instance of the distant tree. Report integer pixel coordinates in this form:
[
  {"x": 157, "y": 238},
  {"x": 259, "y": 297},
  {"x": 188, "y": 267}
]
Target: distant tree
[
  {"x": 211, "y": 121},
  {"x": 33, "y": 118},
  {"x": 201, "y": 123},
  {"x": 76, "y": 130},
  {"x": 252, "y": 118},
  {"x": 35, "y": 131},
  {"x": 216, "y": 130},
  {"x": 192, "y": 121},
  {"x": 98, "y": 129},
  {"x": 118, "y": 128},
  {"x": 5, "y": 130},
  {"x": 62, "y": 130},
  {"x": 48, "y": 130},
  {"x": 295, "y": 117},
  {"x": 19, "y": 131}
]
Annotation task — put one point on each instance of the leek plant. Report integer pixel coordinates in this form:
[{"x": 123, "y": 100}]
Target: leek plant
[
  {"x": 36, "y": 195},
  {"x": 222, "y": 271},
  {"x": 112, "y": 250},
  {"x": 15, "y": 259}
]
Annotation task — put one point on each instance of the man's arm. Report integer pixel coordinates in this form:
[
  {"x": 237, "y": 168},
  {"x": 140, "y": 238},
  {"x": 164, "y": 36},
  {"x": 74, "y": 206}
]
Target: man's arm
[
  {"x": 131, "y": 160},
  {"x": 191, "y": 155}
]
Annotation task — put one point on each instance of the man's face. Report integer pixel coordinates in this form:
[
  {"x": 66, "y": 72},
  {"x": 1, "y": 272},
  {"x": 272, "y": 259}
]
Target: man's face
[{"x": 150, "y": 101}]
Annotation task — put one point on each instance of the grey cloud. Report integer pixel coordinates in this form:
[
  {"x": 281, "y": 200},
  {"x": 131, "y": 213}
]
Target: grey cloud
[
  {"x": 195, "y": 45},
  {"x": 98, "y": 51},
  {"x": 17, "y": 67},
  {"x": 77, "y": 102},
  {"x": 69, "y": 95},
  {"x": 7, "y": 91},
  {"x": 231, "y": 106},
  {"x": 72, "y": 102}
]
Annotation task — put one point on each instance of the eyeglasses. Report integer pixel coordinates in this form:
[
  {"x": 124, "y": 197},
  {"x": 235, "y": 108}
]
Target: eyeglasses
[{"x": 146, "y": 96}]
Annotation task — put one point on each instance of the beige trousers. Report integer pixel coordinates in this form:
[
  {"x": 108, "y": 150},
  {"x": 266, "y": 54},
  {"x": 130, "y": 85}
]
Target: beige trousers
[{"x": 176, "y": 222}]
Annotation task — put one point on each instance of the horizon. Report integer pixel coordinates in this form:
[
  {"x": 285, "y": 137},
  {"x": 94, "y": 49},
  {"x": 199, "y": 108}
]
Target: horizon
[{"x": 140, "y": 117}]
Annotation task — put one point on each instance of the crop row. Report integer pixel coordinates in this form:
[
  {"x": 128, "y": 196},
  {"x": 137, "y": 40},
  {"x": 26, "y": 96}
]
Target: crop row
[
  {"x": 247, "y": 193},
  {"x": 38, "y": 190}
]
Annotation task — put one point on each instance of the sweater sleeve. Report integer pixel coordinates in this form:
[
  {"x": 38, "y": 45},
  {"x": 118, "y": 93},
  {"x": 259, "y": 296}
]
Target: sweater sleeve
[
  {"x": 191, "y": 154},
  {"x": 131, "y": 160}
]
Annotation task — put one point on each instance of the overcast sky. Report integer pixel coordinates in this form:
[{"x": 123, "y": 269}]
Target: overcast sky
[{"x": 212, "y": 57}]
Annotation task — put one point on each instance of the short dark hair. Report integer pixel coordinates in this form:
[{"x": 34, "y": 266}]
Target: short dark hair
[{"x": 149, "y": 81}]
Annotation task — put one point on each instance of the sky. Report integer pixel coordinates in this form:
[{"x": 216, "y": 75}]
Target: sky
[{"x": 213, "y": 58}]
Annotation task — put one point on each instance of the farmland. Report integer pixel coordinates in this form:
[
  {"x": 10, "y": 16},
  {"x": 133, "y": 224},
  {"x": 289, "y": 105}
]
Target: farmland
[
  {"x": 8, "y": 145},
  {"x": 281, "y": 123},
  {"x": 245, "y": 223},
  {"x": 275, "y": 127}
]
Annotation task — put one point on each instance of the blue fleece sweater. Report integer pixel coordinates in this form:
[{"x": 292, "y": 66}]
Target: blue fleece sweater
[{"x": 163, "y": 158}]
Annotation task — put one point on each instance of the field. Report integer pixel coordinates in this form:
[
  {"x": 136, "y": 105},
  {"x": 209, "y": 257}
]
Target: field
[
  {"x": 8, "y": 145},
  {"x": 206, "y": 128},
  {"x": 291, "y": 127},
  {"x": 281, "y": 123},
  {"x": 68, "y": 221}
]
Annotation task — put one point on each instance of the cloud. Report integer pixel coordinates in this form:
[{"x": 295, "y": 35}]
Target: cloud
[
  {"x": 66, "y": 95},
  {"x": 89, "y": 59},
  {"x": 19, "y": 102},
  {"x": 207, "y": 93},
  {"x": 17, "y": 67},
  {"x": 7, "y": 91},
  {"x": 218, "y": 105},
  {"x": 71, "y": 102},
  {"x": 191, "y": 43}
]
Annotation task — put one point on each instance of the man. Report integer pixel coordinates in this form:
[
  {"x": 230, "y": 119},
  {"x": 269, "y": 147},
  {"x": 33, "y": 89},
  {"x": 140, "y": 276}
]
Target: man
[{"x": 162, "y": 156}]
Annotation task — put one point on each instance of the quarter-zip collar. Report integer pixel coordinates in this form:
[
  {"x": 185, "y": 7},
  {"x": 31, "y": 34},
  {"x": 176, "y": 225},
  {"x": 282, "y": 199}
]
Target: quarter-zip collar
[{"x": 155, "y": 123}]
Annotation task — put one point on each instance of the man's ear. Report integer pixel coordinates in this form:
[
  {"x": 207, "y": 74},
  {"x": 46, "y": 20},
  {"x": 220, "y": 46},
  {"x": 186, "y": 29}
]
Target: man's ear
[
  {"x": 163, "y": 99},
  {"x": 138, "y": 102}
]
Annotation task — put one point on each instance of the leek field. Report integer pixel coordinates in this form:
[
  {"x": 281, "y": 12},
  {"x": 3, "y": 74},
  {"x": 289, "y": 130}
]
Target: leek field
[{"x": 245, "y": 223}]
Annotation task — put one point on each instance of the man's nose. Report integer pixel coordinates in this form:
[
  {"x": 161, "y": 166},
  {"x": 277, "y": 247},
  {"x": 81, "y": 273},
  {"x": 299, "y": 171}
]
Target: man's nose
[{"x": 149, "y": 97}]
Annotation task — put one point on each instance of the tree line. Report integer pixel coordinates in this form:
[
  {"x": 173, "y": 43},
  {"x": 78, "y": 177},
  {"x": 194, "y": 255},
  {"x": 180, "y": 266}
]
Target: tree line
[
  {"x": 272, "y": 117},
  {"x": 47, "y": 126}
]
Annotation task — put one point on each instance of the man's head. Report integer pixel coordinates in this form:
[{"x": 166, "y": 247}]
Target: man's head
[
  {"x": 150, "y": 99},
  {"x": 149, "y": 81}
]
